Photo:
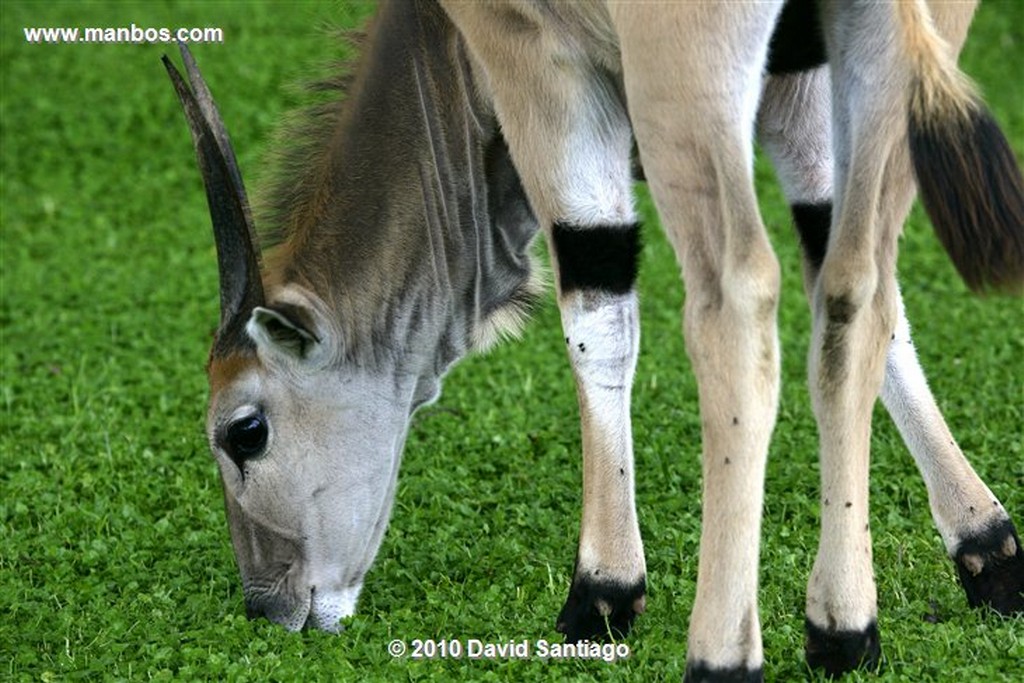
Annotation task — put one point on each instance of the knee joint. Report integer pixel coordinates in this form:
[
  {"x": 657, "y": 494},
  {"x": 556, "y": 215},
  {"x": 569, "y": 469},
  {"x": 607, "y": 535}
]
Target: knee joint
[
  {"x": 751, "y": 286},
  {"x": 844, "y": 289}
]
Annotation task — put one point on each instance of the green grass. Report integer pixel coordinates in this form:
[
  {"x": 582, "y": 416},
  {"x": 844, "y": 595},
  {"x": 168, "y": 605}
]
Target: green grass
[{"x": 114, "y": 555}]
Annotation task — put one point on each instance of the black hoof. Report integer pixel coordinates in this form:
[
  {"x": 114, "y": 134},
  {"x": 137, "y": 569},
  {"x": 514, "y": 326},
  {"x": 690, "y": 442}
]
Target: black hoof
[
  {"x": 698, "y": 672},
  {"x": 599, "y": 610},
  {"x": 991, "y": 569},
  {"x": 837, "y": 652}
]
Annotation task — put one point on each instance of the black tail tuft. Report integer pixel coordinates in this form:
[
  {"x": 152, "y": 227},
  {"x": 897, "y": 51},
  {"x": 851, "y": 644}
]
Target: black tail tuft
[{"x": 973, "y": 191}]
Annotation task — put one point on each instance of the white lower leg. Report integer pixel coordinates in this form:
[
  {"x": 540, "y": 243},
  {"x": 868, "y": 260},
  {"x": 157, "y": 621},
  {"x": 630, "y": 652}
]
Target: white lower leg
[
  {"x": 961, "y": 504},
  {"x": 602, "y": 338}
]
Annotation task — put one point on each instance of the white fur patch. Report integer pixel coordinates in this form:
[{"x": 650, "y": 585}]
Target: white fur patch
[{"x": 509, "y": 321}]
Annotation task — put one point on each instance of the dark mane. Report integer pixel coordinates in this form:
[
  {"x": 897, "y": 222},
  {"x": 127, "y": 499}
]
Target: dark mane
[
  {"x": 288, "y": 188},
  {"x": 394, "y": 198}
]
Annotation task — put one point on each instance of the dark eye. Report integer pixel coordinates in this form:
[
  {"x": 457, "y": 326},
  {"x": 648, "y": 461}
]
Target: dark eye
[{"x": 246, "y": 438}]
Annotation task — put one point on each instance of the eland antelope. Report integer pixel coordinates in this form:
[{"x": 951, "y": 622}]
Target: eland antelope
[{"x": 404, "y": 224}]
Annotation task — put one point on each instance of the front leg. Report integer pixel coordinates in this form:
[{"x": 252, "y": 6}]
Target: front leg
[
  {"x": 977, "y": 530},
  {"x": 570, "y": 139},
  {"x": 600, "y": 318}
]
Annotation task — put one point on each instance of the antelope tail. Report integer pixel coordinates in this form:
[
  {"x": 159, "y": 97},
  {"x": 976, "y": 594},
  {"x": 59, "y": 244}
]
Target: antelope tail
[{"x": 969, "y": 182}]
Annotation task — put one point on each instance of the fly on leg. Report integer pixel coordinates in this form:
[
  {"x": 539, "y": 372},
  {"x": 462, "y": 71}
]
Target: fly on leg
[{"x": 562, "y": 113}]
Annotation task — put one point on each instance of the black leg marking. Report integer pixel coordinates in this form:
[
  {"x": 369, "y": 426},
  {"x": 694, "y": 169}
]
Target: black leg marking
[
  {"x": 813, "y": 222},
  {"x": 601, "y": 257},
  {"x": 596, "y": 609},
  {"x": 839, "y": 313},
  {"x": 699, "y": 672},
  {"x": 991, "y": 569},
  {"x": 837, "y": 652},
  {"x": 797, "y": 43}
]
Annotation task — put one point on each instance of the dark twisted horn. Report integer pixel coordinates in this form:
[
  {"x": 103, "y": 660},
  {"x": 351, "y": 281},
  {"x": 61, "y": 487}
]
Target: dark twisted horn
[{"x": 238, "y": 260}]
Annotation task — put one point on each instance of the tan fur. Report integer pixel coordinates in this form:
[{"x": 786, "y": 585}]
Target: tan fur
[
  {"x": 222, "y": 372},
  {"x": 874, "y": 191},
  {"x": 940, "y": 87},
  {"x": 691, "y": 73},
  {"x": 694, "y": 140},
  {"x": 790, "y": 130}
]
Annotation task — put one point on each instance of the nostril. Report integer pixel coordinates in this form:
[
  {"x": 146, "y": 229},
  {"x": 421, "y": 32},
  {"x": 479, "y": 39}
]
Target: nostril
[{"x": 251, "y": 611}]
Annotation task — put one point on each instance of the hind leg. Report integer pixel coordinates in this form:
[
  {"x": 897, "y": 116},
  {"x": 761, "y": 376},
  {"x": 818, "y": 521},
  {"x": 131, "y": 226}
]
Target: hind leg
[
  {"x": 692, "y": 104},
  {"x": 854, "y": 302},
  {"x": 794, "y": 128},
  {"x": 857, "y": 312},
  {"x": 977, "y": 531}
]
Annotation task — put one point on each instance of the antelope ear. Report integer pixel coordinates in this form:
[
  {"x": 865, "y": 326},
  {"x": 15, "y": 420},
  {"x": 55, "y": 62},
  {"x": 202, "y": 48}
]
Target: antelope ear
[{"x": 289, "y": 332}]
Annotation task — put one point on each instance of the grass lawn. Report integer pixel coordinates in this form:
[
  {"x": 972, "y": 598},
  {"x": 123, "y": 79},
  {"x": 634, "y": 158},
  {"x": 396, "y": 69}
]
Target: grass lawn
[{"x": 115, "y": 561}]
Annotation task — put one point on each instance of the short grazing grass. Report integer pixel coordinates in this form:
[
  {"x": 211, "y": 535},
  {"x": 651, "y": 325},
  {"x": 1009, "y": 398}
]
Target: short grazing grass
[{"x": 114, "y": 556}]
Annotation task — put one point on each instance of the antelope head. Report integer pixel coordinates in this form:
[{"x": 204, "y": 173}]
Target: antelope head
[{"x": 307, "y": 444}]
